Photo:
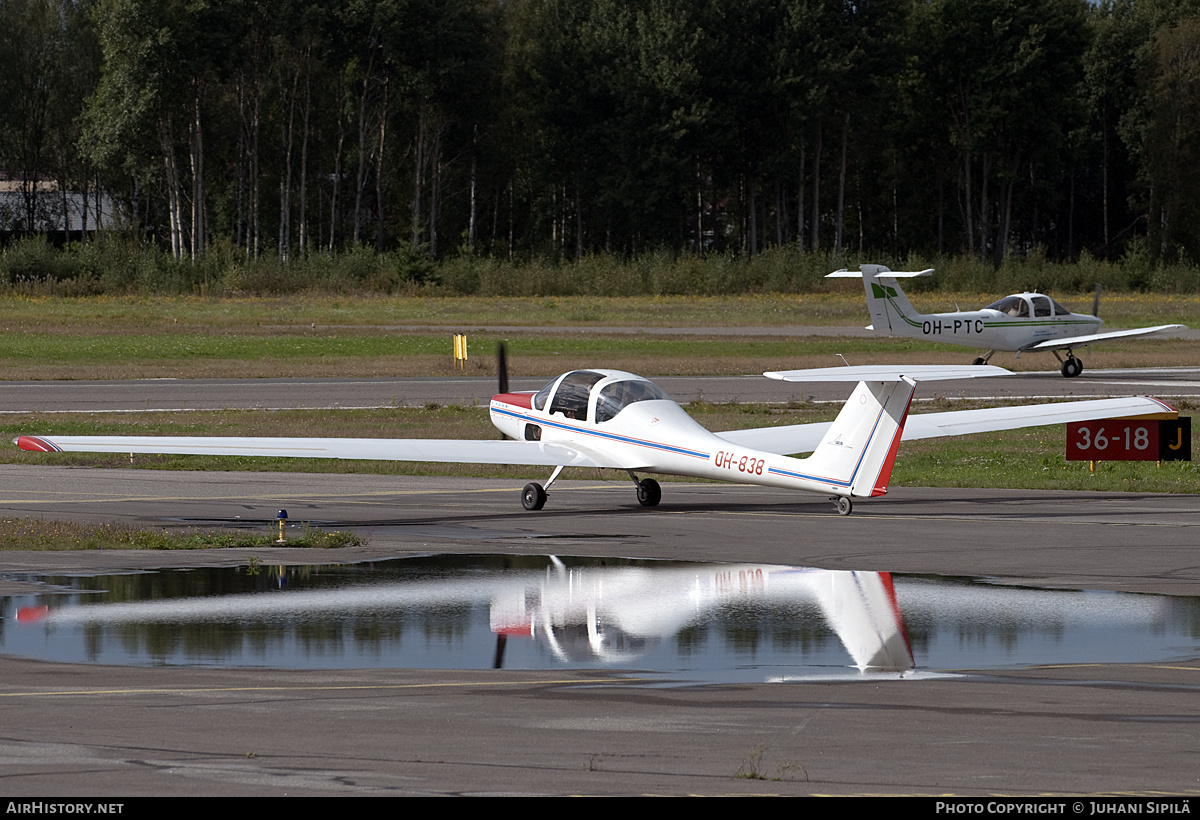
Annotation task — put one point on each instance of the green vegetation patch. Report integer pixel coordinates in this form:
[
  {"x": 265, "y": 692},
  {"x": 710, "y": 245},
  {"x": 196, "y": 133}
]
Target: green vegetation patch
[
  {"x": 842, "y": 304},
  {"x": 40, "y": 535}
]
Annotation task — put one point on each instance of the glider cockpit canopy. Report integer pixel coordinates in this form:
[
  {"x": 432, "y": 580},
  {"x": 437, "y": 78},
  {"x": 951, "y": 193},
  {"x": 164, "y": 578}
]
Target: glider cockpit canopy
[{"x": 595, "y": 395}]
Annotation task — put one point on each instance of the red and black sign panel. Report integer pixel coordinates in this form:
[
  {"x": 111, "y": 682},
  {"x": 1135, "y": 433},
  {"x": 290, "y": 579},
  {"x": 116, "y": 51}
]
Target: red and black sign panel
[{"x": 1130, "y": 440}]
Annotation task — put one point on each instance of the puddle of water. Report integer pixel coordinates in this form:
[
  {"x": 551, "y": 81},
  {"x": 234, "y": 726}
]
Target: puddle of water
[{"x": 696, "y": 622}]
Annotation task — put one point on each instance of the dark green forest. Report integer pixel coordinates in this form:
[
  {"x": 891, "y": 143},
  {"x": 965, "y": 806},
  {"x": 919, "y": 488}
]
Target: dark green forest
[{"x": 560, "y": 129}]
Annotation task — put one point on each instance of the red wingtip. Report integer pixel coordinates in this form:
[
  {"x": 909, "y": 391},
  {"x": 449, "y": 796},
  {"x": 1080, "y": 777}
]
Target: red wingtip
[
  {"x": 35, "y": 444},
  {"x": 31, "y": 614}
]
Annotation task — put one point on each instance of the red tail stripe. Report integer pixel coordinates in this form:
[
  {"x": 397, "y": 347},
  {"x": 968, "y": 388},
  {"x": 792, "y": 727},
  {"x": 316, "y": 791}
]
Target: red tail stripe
[{"x": 885, "y": 474}]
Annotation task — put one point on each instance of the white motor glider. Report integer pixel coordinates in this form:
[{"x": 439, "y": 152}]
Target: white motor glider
[
  {"x": 1021, "y": 322},
  {"x": 616, "y": 420}
]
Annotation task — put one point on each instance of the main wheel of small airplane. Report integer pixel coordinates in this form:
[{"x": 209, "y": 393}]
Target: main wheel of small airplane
[
  {"x": 649, "y": 492},
  {"x": 1072, "y": 367},
  {"x": 844, "y": 505},
  {"x": 533, "y": 497},
  {"x": 980, "y": 360}
]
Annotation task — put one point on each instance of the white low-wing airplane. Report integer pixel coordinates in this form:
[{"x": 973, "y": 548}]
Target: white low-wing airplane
[
  {"x": 616, "y": 420},
  {"x": 1021, "y": 322}
]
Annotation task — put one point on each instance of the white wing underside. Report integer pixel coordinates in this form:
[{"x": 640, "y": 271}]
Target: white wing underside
[
  {"x": 804, "y": 438},
  {"x": 1080, "y": 341}
]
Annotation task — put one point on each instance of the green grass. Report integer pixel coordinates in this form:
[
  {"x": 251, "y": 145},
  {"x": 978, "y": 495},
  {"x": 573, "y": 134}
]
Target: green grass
[
  {"x": 842, "y": 304},
  {"x": 41, "y": 535},
  {"x": 370, "y": 354},
  {"x": 1031, "y": 460}
]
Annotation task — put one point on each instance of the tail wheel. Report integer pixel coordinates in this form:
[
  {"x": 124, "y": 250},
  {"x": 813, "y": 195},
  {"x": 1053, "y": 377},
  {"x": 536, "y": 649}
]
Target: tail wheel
[
  {"x": 533, "y": 497},
  {"x": 649, "y": 492},
  {"x": 844, "y": 505},
  {"x": 1072, "y": 367}
]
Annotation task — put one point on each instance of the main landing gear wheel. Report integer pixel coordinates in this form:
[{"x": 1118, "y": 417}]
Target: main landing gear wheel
[
  {"x": 1072, "y": 367},
  {"x": 980, "y": 360},
  {"x": 844, "y": 505},
  {"x": 533, "y": 497},
  {"x": 649, "y": 492}
]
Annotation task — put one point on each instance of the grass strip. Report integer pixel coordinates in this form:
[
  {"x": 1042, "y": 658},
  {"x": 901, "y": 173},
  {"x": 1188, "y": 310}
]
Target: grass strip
[
  {"x": 41, "y": 535},
  {"x": 156, "y": 315}
]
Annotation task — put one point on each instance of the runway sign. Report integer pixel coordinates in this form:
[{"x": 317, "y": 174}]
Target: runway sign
[{"x": 1130, "y": 440}]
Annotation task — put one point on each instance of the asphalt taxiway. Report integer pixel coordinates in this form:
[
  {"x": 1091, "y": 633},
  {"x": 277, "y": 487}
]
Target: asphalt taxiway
[
  {"x": 142, "y": 395},
  {"x": 77, "y": 729}
]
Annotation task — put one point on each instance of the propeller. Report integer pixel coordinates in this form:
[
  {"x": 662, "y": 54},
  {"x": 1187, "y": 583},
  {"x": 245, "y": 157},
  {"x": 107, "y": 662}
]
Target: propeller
[
  {"x": 1096, "y": 302},
  {"x": 501, "y": 368},
  {"x": 502, "y": 387}
]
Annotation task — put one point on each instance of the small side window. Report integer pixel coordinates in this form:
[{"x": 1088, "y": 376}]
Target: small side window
[{"x": 539, "y": 399}]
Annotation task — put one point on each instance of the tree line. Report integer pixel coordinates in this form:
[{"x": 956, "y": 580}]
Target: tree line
[{"x": 523, "y": 129}]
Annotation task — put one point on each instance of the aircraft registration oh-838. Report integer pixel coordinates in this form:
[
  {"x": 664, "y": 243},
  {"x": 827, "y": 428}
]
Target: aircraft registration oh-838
[
  {"x": 1021, "y": 322},
  {"x": 616, "y": 420}
]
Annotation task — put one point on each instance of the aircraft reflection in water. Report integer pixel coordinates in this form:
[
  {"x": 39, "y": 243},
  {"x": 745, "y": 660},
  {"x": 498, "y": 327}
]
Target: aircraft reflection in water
[
  {"x": 578, "y": 615},
  {"x": 707, "y": 622}
]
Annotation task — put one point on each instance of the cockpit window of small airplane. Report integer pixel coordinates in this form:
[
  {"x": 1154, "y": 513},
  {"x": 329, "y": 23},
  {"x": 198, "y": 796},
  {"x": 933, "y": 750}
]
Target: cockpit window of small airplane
[
  {"x": 617, "y": 396},
  {"x": 571, "y": 397},
  {"x": 1041, "y": 306},
  {"x": 1012, "y": 305},
  {"x": 1059, "y": 310}
]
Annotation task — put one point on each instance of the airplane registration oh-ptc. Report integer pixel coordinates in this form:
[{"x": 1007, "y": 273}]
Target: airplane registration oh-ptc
[
  {"x": 615, "y": 420},
  {"x": 1016, "y": 323}
]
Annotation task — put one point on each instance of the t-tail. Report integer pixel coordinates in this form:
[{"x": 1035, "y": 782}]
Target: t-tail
[
  {"x": 858, "y": 452},
  {"x": 890, "y": 310}
]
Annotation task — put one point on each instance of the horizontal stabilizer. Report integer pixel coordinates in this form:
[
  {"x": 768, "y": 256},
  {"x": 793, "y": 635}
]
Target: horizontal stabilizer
[
  {"x": 889, "y": 373},
  {"x": 878, "y": 270}
]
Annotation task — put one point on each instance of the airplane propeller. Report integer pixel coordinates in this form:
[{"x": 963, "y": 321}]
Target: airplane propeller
[
  {"x": 501, "y": 374},
  {"x": 501, "y": 368},
  {"x": 1096, "y": 302}
]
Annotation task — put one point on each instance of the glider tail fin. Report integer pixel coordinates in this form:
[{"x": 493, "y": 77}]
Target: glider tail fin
[{"x": 858, "y": 451}]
